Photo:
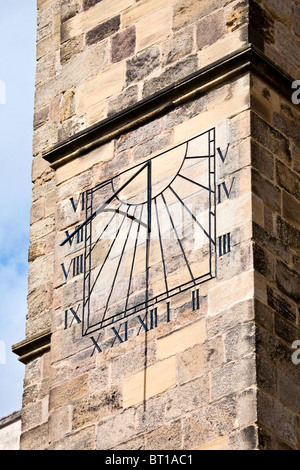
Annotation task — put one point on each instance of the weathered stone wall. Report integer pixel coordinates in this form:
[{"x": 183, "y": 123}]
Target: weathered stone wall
[
  {"x": 275, "y": 30},
  {"x": 96, "y": 58},
  {"x": 275, "y": 183},
  {"x": 197, "y": 391},
  {"x": 220, "y": 376}
]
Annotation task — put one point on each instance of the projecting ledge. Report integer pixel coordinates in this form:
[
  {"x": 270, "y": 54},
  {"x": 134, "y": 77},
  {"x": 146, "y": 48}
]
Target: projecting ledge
[
  {"x": 31, "y": 348},
  {"x": 246, "y": 60}
]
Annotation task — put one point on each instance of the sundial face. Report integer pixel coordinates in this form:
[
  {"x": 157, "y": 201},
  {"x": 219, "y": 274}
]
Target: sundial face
[{"x": 149, "y": 234}]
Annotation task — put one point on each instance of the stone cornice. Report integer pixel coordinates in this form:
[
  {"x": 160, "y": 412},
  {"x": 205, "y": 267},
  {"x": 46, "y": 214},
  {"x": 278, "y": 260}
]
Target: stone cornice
[
  {"x": 247, "y": 59},
  {"x": 31, "y": 348}
]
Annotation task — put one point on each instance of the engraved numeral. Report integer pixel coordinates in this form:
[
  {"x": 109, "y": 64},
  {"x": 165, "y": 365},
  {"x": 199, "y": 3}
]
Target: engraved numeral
[
  {"x": 117, "y": 333},
  {"x": 152, "y": 315},
  {"x": 78, "y": 237},
  {"x": 96, "y": 345},
  {"x": 224, "y": 244},
  {"x": 195, "y": 300},
  {"x": 74, "y": 316},
  {"x": 225, "y": 191},
  {"x": 76, "y": 204},
  {"x": 75, "y": 266},
  {"x": 223, "y": 157}
]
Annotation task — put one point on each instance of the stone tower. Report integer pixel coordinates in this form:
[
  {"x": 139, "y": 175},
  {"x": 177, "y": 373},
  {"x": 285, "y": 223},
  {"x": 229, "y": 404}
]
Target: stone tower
[{"x": 164, "y": 287}]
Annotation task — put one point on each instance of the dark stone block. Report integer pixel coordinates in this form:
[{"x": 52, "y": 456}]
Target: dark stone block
[
  {"x": 142, "y": 64},
  {"x": 171, "y": 75},
  {"x": 89, "y": 3},
  {"x": 123, "y": 44},
  {"x": 288, "y": 281},
  {"x": 281, "y": 305},
  {"x": 272, "y": 139},
  {"x": 103, "y": 30}
]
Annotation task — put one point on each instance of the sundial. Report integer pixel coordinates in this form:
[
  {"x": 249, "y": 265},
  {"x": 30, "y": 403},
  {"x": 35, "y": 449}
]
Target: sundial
[{"x": 149, "y": 234}]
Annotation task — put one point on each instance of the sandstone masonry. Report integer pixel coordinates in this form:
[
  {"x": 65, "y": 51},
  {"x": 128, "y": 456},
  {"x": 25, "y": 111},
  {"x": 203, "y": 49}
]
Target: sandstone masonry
[{"x": 117, "y": 83}]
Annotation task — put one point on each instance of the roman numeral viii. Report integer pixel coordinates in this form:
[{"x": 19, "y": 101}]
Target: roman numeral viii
[{"x": 74, "y": 269}]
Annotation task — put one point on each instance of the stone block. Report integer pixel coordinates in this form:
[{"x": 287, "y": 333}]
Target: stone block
[
  {"x": 270, "y": 138},
  {"x": 296, "y": 16},
  {"x": 264, "y": 262},
  {"x": 95, "y": 407},
  {"x": 123, "y": 44},
  {"x": 276, "y": 245},
  {"x": 81, "y": 440},
  {"x": 288, "y": 392},
  {"x": 40, "y": 117},
  {"x": 181, "y": 339},
  {"x": 270, "y": 194},
  {"x": 69, "y": 8},
  {"x": 138, "y": 11},
  {"x": 262, "y": 160},
  {"x": 67, "y": 105},
  {"x": 209, "y": 423},
  {"x": 178, "y": 46},
  {"x": 89, "y": 3},
  {"x": 171, "y": 75},
  {"x": 59, "y": 424},
  {"x": 291, "y": 208},
  {"x": 187, "y": 397},
  {"x": 288, "y": 281},
  {"x": 288, "y": 234},
  {"x": 231, "y": 292},
  {"x": 70, "y": 48},
  {"x": 271, "y": 414},
  {"x": 218, "y": 444},
  {"x": 75, "y": 167},
  {"x": 187, "y": 11},
  {"x": 244, "y": 439},
  {"x": 274, "y": 350},
  {"x": 136, "y": 137},
  {"x": 284, "y": 329},
  {"x": 123, "y": 100},
  {"x": 287, "y": 179},
  {"x": 147, "y": 35},
  {"x": 210, "y": 29},
  {"x": 167, "y": 437},
  {"x": 239, "y": 342},
  {"x": 123, "y": 425},
  {"x": 68, "y": 391},
  {"x": 227, "y": 44},
  {"x": 37, "y": 210},
  {"x": 233, "y": 377},
  {"x": 91, "y": 17},
  {"x": 227, "y": 319},
  {"x": 150, "y": 382},
  {"x": 96, "y": 113},
  {"x": 103, "y": 30},
  {"x": 246, "y": 407},
  {"x": 35, "y": 439},
  {"x": 281, "y": 305},
  {"x": 149, "y": 417},
  {"x": 142, "y": 64},
  {"x": 100, "y": 87}
]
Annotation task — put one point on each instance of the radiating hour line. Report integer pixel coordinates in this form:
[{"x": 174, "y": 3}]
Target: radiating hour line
[
  {"x": 133, "y": 261},
  {"x": 195, "y": 182},
  {"x": 178, "y": 239},
  {"x": 118, "y": 267},
  {"x": 104, "y": 230},
  {"x": 191, "y": 214},
  {"x": 161, "y": 247},
  {"x": 108, "y": 253}
]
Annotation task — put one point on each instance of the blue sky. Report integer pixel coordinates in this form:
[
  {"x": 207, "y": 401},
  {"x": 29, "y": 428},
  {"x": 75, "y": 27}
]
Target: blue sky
[{"x": 17, "y": 75}]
